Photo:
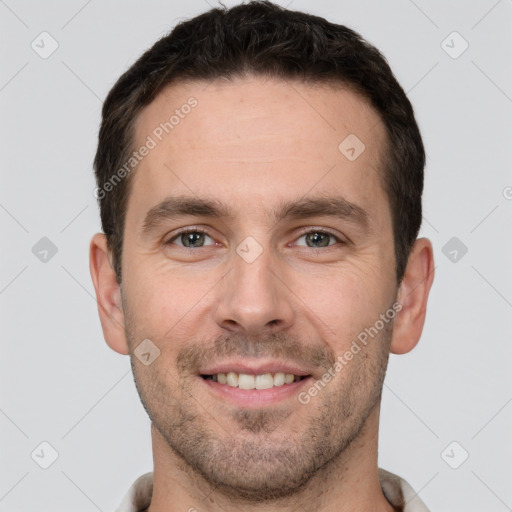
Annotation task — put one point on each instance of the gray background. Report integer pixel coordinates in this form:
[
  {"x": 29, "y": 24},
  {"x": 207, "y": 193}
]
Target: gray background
[{"x": 60, "y": 383}]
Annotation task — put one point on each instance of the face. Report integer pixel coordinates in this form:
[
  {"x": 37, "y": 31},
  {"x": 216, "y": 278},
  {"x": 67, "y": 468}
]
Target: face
[{"x": 255, "y": 254}]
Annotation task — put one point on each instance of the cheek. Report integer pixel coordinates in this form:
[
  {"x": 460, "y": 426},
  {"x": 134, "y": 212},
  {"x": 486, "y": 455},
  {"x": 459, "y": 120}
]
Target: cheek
[
  {"x": 344, "y": 302},
  {"x": 166, "y": 300}
]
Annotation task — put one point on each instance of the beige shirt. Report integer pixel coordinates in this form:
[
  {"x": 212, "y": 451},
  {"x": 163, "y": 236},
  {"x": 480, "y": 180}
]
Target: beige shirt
[{"x": 397, "y": 491}]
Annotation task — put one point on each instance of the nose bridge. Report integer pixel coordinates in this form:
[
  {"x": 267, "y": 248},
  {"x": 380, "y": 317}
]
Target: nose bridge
[{"x": 252, "y": 299}]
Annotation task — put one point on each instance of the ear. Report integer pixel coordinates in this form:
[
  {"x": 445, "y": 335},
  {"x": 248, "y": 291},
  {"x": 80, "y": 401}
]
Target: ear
[
  {"x": 413, "y": 296},
  {"x": 108, "y": 294}
]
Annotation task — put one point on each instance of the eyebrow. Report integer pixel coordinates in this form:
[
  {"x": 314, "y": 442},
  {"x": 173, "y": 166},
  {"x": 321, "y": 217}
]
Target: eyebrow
[{"x": 326, "y": 206}]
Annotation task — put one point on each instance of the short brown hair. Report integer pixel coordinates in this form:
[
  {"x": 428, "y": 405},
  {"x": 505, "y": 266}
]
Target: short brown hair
[{"x": 264, "y": 39}]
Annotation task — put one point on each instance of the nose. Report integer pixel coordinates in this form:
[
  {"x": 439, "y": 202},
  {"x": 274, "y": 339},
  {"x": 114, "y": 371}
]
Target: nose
[{"x": 254, "y": 298}]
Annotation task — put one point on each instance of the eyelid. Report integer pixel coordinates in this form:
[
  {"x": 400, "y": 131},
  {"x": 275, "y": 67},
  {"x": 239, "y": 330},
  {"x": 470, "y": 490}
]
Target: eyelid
[{"x": 319, "y": 229}]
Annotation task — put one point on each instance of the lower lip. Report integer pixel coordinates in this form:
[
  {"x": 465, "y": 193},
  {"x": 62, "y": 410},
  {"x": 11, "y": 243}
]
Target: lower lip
[{"x": 252, "y": 398}]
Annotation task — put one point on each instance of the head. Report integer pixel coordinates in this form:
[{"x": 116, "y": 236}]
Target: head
[
  {"x": 259, "y": 175},
  {"x": 265, "y": 40}
]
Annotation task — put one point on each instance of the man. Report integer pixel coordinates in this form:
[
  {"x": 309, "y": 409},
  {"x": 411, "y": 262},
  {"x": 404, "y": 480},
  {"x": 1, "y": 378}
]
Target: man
[{"x": 260, "y": 174}]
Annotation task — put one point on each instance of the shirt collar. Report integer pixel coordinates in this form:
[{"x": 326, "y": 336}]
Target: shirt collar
[{"x": 396, "y": 490}]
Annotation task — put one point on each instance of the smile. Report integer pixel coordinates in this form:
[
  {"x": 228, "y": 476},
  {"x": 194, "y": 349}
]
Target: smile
[{"x": 248, "y": 381}]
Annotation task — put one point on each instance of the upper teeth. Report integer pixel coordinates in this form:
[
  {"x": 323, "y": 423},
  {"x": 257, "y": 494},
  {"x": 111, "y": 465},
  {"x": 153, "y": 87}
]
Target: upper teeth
[{"x": 246, "y": 381}]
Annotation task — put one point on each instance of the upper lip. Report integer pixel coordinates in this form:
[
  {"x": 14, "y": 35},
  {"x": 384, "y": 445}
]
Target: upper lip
[{"x": 254, "y": 368}]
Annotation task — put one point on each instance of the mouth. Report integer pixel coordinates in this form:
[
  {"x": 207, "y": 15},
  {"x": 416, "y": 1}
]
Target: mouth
[
  {"x": 250, "y": 381},
  {"x": 251, "y": 385}
]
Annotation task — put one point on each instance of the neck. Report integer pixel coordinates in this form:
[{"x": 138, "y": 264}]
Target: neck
[{"x": 349, "y": 482}]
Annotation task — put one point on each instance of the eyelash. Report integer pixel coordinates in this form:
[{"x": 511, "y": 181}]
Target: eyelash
[{"x": 198, "y": 229}]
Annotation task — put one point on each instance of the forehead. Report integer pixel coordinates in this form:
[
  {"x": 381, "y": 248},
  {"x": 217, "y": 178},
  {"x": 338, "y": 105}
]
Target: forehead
[
  {"x": 258, "y": 109},
  {"x": 255, "y": 138}
]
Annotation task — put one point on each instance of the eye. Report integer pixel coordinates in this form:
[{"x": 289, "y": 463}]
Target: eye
[
  {"x": 195, "y": 239},
  {"x": 317, "y": 238},
  {"x": 190, "y": 239}
]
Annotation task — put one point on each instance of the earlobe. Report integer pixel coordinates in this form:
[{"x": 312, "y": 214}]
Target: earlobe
[
  {"x": 108, "y": 295},
  {"x": 413, "y": 296}
]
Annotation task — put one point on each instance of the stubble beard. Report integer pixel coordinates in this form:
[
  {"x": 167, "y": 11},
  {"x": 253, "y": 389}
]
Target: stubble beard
[{"x": 249, "y": 456}]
